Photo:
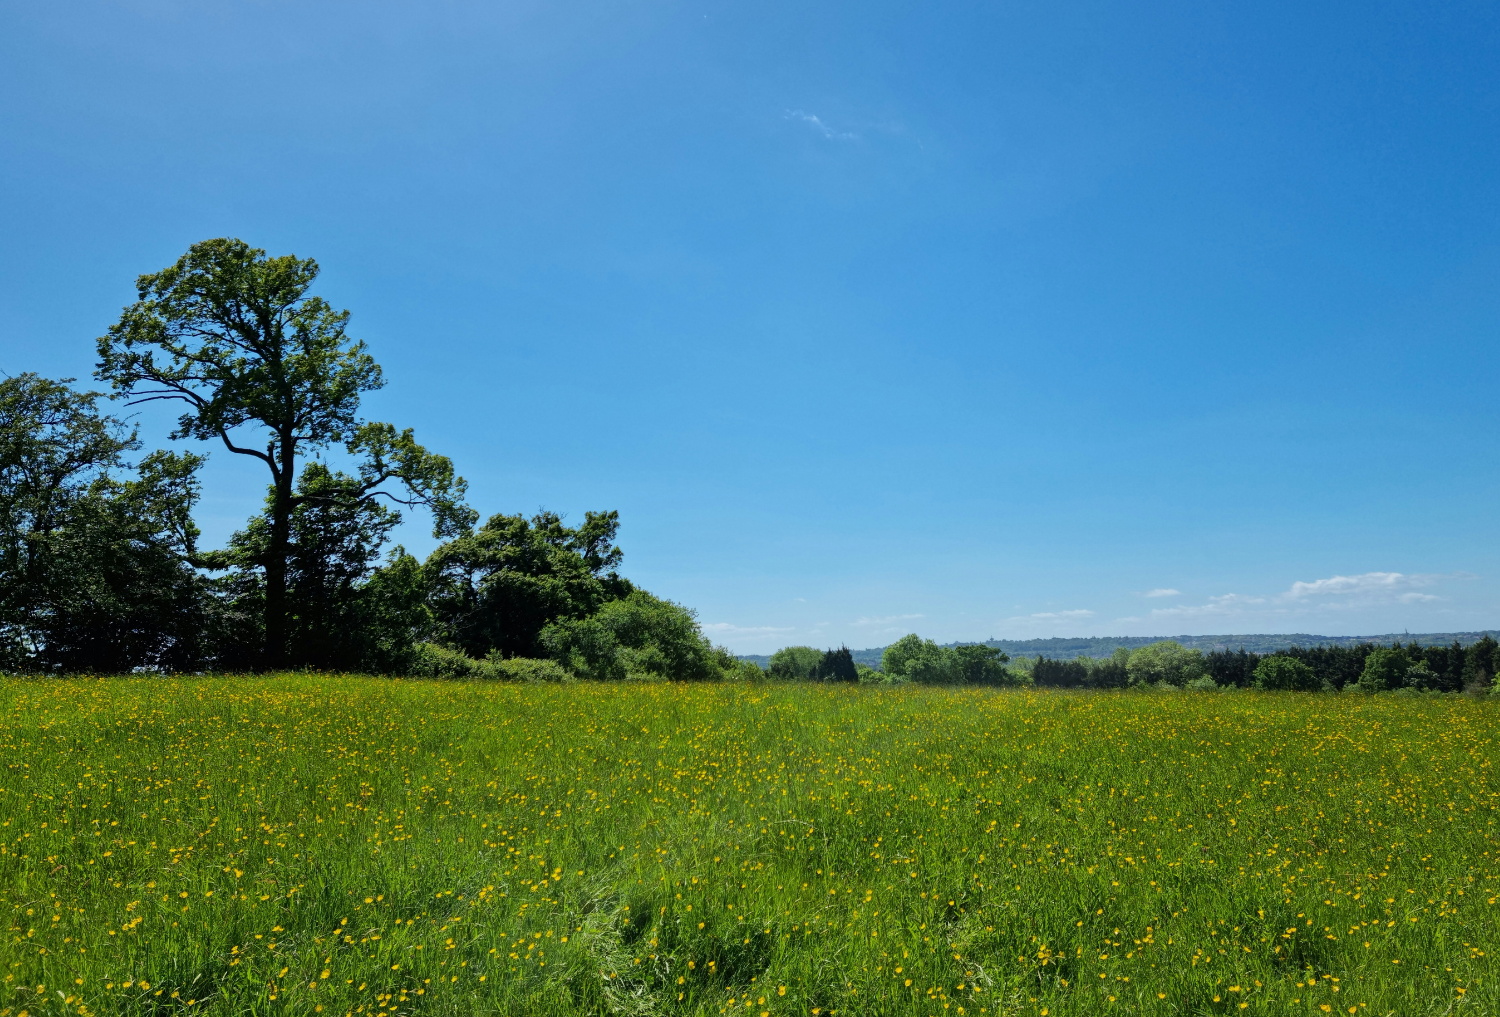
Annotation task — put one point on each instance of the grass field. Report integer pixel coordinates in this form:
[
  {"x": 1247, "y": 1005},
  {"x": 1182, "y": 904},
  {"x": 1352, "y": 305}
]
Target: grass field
[{"x": 341, "y": 845}]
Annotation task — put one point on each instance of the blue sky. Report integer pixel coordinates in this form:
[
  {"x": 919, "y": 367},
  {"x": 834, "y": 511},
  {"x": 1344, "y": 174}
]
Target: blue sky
[{"x": 973, "y": 320}]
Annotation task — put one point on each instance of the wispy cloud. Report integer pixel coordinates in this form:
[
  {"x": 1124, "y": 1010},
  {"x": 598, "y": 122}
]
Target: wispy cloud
[
  {"x": 887, "y": 621},
  {"x": 1043, "y": 622},
  {"x": 1227, "y": 604},
  {"x": 822, "y": 128},
  {"x": 1162, "y": 593},
  {"x": 1319, "y": 596},
  {"x": 730, "y": 629}
]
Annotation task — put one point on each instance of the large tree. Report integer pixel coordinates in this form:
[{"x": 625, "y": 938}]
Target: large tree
[{"x": 235, "y": 336}]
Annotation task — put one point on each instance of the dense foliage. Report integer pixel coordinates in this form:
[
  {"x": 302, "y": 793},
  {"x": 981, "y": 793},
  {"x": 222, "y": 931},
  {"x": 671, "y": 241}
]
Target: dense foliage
[
  {"x": 637, "y": 636},
  {"x": 96, "y": 552},
  {"x": 807, "y": 664},
  {"x": 914, "y": 659},
  {"x": 499, "y": 587},
  {"x": 99, "y": 564}
]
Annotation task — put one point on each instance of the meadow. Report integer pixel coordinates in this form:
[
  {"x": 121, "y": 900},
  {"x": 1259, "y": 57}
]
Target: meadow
[{"x": 317, "y": 844}]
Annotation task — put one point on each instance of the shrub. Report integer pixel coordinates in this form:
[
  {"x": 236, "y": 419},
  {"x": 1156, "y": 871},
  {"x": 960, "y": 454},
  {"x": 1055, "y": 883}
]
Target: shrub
[
  {"x": 748, "y": 671},
  {"x": 1082, "y": 672},
  {"x": 979, "y": 664},
  {"x": 1166, "y": 661},
  {"x": 1285, "y": 674},
  {"x": 1384, "y": 670},
  {"x": 1110, "y": 673},
  {"x": 1421, "y": 677},
  {"x": 916, "y": 659},
  {"x": 794, "y": 662},
  {"x": 922, "y": 661},
  {"x": 913, "y": 658},
  {"x": 525, "y": 669},
  {"x": 429, "y": 660},
  {"x": 1202, "y": 684},
  {"x": 639, "y": 637}
]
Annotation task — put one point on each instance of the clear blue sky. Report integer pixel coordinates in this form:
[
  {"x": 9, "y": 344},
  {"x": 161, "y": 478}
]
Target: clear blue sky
[{"x": 972, "y": 319}]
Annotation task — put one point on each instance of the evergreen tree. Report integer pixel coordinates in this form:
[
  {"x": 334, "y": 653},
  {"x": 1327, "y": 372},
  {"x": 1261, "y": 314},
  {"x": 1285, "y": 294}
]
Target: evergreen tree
[
  {"x": 1059, "y": 674},
  {"x": 1281, "y": 673},
  {"x": 1479, "y": 664},
  {"x": 1226, "y": 667},
  {"x": 836, "y": 666}
]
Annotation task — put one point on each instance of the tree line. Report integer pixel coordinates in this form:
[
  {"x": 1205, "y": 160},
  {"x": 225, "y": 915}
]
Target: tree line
[
  {"x": 101, "y": 568},
  {"x": 1369, "y": 667},
  {"x": 909, "y": 659}
]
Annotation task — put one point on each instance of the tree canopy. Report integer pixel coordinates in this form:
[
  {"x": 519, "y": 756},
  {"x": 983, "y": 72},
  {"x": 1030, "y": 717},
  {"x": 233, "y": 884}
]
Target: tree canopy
[
  {"x": 96, "y": 553},
  {"x": 497, "y": 588},
  {"x": 100, "y": 567},
  {"x": 1285, "y": 674},
  {"x": 912, "y": 658}
]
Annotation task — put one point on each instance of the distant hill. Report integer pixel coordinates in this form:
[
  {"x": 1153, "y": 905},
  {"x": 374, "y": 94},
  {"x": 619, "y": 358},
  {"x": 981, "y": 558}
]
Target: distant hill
[{"x": 1067, "y": 648}]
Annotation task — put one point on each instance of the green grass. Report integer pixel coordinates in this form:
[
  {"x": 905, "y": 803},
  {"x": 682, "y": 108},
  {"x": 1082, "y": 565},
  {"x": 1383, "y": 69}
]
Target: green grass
[{"x": 344, "y": 845}]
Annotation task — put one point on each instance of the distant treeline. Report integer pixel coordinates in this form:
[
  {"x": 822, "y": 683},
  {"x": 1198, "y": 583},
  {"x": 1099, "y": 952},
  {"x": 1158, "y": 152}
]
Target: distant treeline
[
  {"x": 1068, "y": 648},
  {"x": 1368, "y": 666},
  {"x": 909, "y": 659},
  {"x": 1164, "y": 664},
  {"x": 1104, "y": 646}
]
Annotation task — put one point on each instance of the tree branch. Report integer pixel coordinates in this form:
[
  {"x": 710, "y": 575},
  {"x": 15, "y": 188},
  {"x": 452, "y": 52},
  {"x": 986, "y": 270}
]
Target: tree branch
[{"x": 249, "y": 452}]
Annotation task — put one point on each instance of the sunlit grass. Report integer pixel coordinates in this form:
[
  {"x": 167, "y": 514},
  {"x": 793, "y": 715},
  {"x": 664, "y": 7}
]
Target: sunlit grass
[{"x": 344, "y": 845}]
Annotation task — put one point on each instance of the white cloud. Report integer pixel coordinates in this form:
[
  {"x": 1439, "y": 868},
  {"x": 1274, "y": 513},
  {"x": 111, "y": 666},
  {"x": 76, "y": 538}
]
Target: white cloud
[
  {"x": 1303, "y": 602},
  {"x": 1162, "y": 593},
  {"x": 1376, "y": 584},
  {"x": 824, "y": 129}
]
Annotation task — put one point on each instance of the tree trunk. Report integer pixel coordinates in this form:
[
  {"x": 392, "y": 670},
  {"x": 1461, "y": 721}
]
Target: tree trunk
[{"x": 276, "y": 556}]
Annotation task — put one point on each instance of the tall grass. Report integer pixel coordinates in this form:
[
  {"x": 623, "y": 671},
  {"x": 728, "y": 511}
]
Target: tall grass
[{"x": 345, "y": 845}]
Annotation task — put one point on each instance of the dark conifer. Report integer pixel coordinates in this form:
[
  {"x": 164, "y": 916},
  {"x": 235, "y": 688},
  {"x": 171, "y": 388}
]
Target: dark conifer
[{"x": 837, "y": 666}]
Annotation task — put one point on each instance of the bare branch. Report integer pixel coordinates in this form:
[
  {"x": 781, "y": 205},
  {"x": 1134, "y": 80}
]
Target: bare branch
[{"x": 250, "y": 452}]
